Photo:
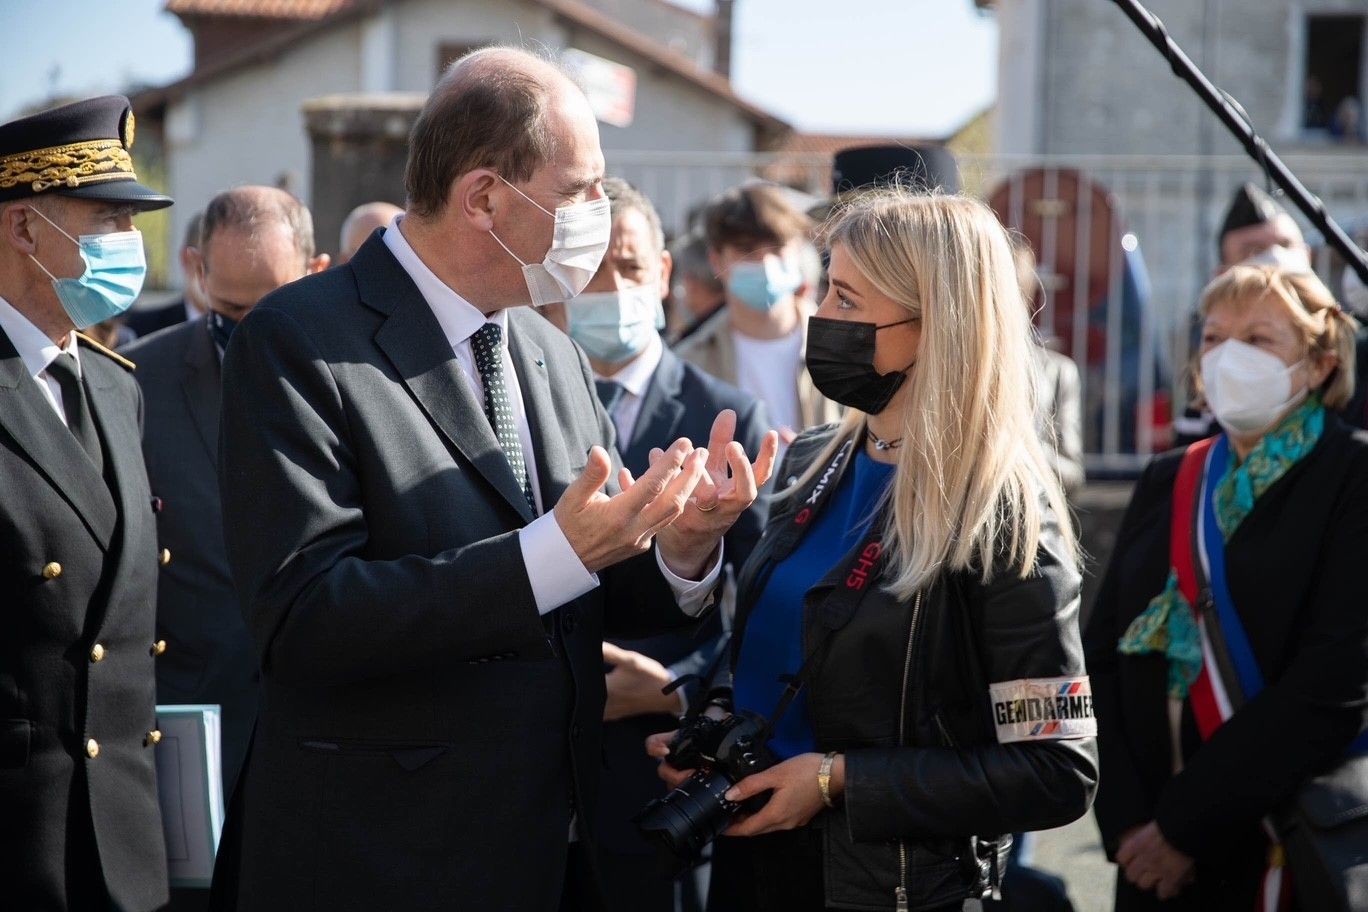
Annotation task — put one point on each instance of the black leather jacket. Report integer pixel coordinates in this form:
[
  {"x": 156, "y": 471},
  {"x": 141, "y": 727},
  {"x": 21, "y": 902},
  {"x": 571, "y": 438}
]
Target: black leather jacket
[{"x": 931, "y": 793}]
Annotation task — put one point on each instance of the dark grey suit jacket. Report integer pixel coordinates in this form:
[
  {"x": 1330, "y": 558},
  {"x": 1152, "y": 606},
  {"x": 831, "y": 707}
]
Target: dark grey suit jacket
[
  {"x": 209, "y": 657},
  {"x": 146, "y": 322},
  {"x": 78, "y": 568},
  {"x": 424, "y": 736}
]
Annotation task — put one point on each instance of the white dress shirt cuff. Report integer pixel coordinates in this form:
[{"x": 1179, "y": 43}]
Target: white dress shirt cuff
[
  {"x": 691, "y": 595},
  {"x": 553, "y": 568}
]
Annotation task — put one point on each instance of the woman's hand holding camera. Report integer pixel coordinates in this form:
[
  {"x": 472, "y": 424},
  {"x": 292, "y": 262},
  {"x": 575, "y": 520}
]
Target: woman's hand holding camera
[{"x": 795, "y": 799}]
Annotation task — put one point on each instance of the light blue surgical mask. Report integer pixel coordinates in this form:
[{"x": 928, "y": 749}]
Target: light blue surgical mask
[
  {"x": 616, "y": 326},
  {"x": 113, "y": 277},
  {"x": 763, "y": 285}
]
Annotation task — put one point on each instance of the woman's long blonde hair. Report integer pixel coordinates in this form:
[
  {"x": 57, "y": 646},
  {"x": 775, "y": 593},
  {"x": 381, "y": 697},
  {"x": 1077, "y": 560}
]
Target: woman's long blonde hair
[{"x": 972, "y": 477}]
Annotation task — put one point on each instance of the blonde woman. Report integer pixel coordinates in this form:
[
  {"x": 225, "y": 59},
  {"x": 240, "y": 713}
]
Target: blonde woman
[
  {"x": 920, "y": 553},
  {"x": 1229, "y": 643}
]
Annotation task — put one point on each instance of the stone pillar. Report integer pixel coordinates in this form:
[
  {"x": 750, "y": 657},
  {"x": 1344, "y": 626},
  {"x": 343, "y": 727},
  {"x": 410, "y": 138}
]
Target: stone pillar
[{"x": 360, "y": 144}]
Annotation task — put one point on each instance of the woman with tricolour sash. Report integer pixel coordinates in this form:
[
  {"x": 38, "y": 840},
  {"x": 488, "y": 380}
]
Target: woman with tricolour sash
[{"x": 1228, "y": 646}]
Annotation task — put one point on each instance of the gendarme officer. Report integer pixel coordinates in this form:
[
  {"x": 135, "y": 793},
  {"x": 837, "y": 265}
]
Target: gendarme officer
[{"x": 79, "y": 823}]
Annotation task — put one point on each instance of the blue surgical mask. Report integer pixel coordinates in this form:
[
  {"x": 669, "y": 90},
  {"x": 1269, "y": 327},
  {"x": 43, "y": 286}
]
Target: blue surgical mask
[
  {"x": 616, "y": 326},
  {"x": 113, "y": 277},
  {"x": 763, "y": 285}
]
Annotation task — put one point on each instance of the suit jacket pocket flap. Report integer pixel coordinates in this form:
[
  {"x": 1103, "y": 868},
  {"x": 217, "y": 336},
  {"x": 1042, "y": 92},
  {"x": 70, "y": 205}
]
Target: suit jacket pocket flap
[{"x": 411, "y": 758}]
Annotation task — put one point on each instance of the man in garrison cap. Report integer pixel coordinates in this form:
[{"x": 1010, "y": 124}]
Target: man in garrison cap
[
  {"x": 79, "y": 823},
  {"x": 1256, "y": 230}
]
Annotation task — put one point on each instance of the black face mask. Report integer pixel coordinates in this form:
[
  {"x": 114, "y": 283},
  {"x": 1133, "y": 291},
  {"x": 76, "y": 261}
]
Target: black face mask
[
  {"x": 220, "y": 328},
  {"x": 840, "y": 360}
]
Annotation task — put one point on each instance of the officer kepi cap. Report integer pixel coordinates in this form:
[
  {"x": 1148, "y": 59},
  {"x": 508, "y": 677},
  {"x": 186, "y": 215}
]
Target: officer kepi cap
[
  {"x": 78, "y": 150},
  {"x": 921, "y": 168}
]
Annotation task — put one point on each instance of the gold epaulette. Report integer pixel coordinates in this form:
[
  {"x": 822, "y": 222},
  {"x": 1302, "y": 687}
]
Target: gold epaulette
[{"x": 109, "y": 353}]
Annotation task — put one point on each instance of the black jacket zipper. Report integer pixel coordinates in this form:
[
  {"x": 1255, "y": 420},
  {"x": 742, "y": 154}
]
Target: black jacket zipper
[{"x": 900, "y": 894}]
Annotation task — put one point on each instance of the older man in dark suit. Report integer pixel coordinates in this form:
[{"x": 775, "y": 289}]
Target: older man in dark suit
[
  {"x": 652, "y": 398},
  {"x": 79, "y": 824},
  {"x": 254, "y": 240},
  {"x": 412, "y": 466}
]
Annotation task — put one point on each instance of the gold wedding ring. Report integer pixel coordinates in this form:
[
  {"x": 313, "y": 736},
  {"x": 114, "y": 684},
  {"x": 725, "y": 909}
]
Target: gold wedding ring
[{"x": 703, "y": 509}]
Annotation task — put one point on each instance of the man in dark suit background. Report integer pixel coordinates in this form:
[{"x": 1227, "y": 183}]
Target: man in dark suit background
[
  {"x": 652, "y": 397},
  {"x": 79, "y": 824},
  {"x": 254, "y": 240},
  {"x": 191, "y": 306},
  {"x": 411, "y": 466}
]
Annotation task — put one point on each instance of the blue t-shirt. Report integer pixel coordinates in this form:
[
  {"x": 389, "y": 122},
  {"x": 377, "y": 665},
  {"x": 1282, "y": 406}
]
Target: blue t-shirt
[{"x": 772, "y": 644}]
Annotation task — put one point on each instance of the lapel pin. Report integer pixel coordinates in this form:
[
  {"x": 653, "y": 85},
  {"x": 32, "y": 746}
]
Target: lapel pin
[{"x": 540, "y": 363}]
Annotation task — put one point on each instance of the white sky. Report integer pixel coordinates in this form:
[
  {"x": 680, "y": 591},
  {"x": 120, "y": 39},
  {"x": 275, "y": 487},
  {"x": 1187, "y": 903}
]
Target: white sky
[{"x": 882, "y": 67}]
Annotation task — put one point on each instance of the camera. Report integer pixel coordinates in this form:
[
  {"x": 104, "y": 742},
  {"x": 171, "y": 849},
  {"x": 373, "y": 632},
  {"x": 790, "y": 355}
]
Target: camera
[{"x": 723, "y": 751}]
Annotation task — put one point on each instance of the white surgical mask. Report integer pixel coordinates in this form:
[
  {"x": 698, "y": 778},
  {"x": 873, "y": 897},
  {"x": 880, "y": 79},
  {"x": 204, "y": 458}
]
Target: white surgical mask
[
  {"x": 1292, "y": 259},
  {"x": 614, "y": 326},
  {"x": 581, "y": 238},
  {"x": 1247, "y": 388}
]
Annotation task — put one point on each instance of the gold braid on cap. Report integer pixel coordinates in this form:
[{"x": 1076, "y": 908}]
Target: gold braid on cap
[{"x": 71, "y": 165}]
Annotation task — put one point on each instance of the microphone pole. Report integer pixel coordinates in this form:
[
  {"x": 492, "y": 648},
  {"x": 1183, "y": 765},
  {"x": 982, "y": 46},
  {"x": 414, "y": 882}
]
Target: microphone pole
[{"x": 1239, "y": 126}]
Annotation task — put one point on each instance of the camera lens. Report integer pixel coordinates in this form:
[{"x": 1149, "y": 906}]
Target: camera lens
[{"x": 689, "y": 818}]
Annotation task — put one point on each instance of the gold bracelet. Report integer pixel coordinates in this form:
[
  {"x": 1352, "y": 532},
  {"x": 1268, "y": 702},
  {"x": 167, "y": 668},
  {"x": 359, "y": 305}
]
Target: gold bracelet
[{"x": 824, "y": 778}]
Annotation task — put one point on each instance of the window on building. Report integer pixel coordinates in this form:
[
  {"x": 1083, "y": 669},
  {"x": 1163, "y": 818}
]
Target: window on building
[
  {"x": 1332, "y": 85},
  {"x": 449, "y": 51}
]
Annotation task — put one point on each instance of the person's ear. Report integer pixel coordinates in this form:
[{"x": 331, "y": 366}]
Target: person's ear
[
  {"x": 192, "y": 261},
  {"x": 1319, "y": 368},
  {"x": 715, "y": 262},
  {"x": 318, "y": 264},
  {"x": 666, "y": 269},
  {"x": 475, "y": 196},
  {"x": 16, "y": 223}
]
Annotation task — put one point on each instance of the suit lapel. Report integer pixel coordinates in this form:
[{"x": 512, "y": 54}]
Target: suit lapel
[
  {"x": 201, "y": 385},
  {"x": 27, "y": 415},
  {"x": 661, "y": 412},
  {"x": 553, "y": 463},
  {"x": 413, "y": 341}
]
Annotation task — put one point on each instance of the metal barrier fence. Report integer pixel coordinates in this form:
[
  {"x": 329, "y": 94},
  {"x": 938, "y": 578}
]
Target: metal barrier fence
[{"x": 1124, "y": 246}]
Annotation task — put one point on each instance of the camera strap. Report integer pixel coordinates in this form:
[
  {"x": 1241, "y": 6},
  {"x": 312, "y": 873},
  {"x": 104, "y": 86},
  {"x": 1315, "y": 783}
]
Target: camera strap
[{"x": 814, "y": 499}]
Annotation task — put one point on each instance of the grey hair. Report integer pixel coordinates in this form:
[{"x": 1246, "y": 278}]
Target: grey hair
[
  {"x": 623, "y": 197},
  {"x": 252, "y": 209}
]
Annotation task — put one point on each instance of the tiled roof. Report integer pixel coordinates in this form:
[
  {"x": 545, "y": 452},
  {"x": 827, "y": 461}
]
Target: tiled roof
[{"x": 296, "y": 10}]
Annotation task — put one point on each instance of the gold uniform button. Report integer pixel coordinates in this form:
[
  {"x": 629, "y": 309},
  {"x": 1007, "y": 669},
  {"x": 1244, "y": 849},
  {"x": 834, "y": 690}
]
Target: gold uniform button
[
  {"x": 92, "y": 748},
  {"x": 158, "y": 647},
  {"x": 52, "y": 570},
  {"x": 165, "y": 557},
  {"x": 97, "y": 652},
  {"x": 153, "y": 738}
]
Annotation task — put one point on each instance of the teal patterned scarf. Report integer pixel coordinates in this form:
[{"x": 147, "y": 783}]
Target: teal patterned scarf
[{"x": 1167, "y": 625}]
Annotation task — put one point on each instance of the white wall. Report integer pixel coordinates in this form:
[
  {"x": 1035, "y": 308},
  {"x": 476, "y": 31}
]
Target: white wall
[{"x": 246, "y": 127}]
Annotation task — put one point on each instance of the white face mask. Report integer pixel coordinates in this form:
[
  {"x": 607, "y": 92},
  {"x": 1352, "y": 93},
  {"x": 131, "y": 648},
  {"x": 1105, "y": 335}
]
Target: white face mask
[
  {"x": 581, "y": 238},
  {"x": 1293, "y": 259},
  {"x": 1247, "y": 388}
]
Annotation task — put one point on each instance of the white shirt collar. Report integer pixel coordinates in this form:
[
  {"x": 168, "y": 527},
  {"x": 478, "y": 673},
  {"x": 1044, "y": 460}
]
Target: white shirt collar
[
  {"x": 458, "y": 317},
  {"x": 636, "y": 376},
  {"x": 35, "y": 349}
]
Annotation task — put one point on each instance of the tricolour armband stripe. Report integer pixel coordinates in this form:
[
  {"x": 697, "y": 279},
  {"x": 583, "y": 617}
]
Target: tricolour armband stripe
[{"x": 1043, "y": 709}]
